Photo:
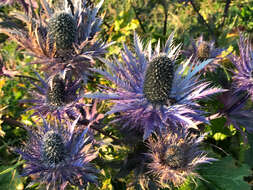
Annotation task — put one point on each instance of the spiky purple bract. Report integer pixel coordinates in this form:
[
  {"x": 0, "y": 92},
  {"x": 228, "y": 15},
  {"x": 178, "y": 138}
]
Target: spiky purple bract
[
  {"x": 174, "y": 157},
  {"x": 174, "y": 98},
  {"x": 58, "y": 96},
  {"x": 235, "y": 112},
  {"x": 57, "y": 156},
  {"x": 243, "y": 78}
]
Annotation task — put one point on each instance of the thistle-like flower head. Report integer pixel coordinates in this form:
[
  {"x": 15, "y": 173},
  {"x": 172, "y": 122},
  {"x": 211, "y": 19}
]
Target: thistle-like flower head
[
  {"x": 57, "y": 96},
  {"x": 243, "y": 78},
  {"x": 202, "y": 50},
  {"x": 152, "y": 90},
  {"x": 174, "y": 157},
  {"x": 56, "y": 93},
  {"x": 53, "y": 150},
  {"x": 64, "y": 38},
  {"x": 57, "y": 156},
  {"x": 205, "y": 50}
]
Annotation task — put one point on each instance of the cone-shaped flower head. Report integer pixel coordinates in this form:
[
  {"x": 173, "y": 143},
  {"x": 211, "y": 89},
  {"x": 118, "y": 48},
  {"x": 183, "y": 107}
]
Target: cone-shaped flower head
[
  {"x": 62, "y": 32},
  {"x": 61, "y": 38},
  {"x": 158, "y": 80},
  {"x": 58, "y": 155},
  {"x": 58, "y": 96},
  {"x": 243, "y": 78},
  {"x": 152, "y": 90},
  {"x": 174, "y": 157},
  {"x": 53, "y": 148},
  {"x": 56, "y": 93},
  {"x": 203, "y": 50}
]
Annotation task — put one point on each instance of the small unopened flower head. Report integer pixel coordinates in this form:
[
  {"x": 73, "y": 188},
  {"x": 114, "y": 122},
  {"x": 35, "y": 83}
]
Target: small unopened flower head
[
  {"x": 151, "y": 90},
  {"x": 59, "y": 155},
  {"x": 158, "y": 80},
  {"x": 62, "y": 31},
  {"x": 174, "y": 157},
  {"x": 203, "y": 50}
]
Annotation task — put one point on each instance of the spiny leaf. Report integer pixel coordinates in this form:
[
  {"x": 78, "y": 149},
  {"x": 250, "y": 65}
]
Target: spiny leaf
[{"x": 225, "y": 174}]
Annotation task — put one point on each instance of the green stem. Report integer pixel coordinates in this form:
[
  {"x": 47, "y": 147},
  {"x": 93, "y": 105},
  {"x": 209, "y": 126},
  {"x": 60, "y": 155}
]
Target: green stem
[{"x": 201, "y": 18}]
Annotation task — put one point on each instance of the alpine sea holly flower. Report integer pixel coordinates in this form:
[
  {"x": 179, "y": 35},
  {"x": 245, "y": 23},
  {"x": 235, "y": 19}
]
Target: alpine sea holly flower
[
  {"x": 174, "y": 157},
  {"x": 203, "y": 50},
  {"x": 235, "y": 112},
  {"x": 152, "y": 90},
  {"x": 57, "y": 156},
  {"x": 61, "y": 39},
  {"x": 57, "y": 96},
  {"x": 243, "y": 78}
]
